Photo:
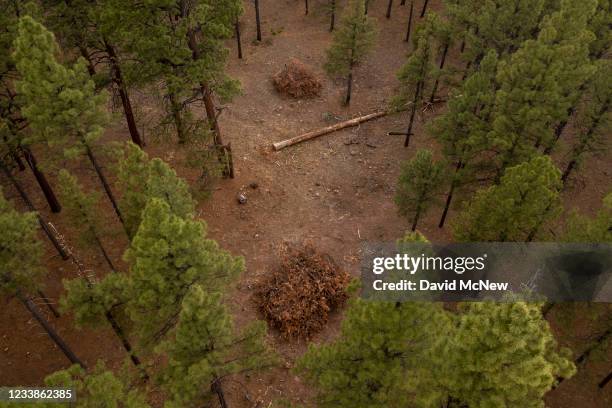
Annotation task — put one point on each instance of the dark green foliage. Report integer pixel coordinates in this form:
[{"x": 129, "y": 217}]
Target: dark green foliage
[
  {"x": 20, "y": 249},
  {"x": 525, "y": 199},
  {"x": 353, "y": 39},
  {"x": 381, "y": 358},
  {"x": 60, "y": 103},
  {"x": 503, "y": 355},
  {"x": 204, "y": 349},
  {"x": 168, "y": 255},
  {"x": 419, "y": 185},
  {"x": 142, "y": 179},
  {"x": 580, "y": 228},
  {"x": 100, "y": 388}
]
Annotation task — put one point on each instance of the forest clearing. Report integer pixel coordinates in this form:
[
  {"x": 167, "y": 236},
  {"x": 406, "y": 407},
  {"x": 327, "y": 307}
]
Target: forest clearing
[{"x": 251, "y": 225}]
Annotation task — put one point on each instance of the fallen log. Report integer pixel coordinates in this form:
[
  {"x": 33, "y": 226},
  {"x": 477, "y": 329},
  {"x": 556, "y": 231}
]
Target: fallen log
[{"x": 329, "y": 129}]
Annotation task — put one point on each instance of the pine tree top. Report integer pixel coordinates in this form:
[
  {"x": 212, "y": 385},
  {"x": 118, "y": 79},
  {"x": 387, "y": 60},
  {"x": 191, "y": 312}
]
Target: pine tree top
[{"x": 353, "y": 39}]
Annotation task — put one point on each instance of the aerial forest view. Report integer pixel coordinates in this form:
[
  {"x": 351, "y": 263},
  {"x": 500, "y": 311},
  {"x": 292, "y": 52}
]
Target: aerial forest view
[{"x": 188, "y": 189}]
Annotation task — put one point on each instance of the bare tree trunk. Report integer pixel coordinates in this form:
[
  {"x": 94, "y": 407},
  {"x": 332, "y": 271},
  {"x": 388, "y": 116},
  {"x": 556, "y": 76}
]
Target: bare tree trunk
[
  {"x": 449, "y": 196},
  {"x": 333, "y": 15},
  {"x": 606, "y": 380},
  {"x": 124, "y": 341},
  {"x": 410, "y": 20},
  {"x": 90, "y": 67},
  {"x": 366, "y": 6},
  {"x": 54, "y": 204},
  {"x": 389, "y": 6},
  {"x": 104, "y": 253},
  {"x": 238, "y": 41},
  {"x": 306, "y": 7},
  {"x": 105, "y": 185},
  {"x": 349, "y": 87},
  {"x": 123, "y": 93},
  {"x": 217, "y": 388},
  {"x": 442, "y": 61},
  {"x": 179, "y": 125},
  {"x": 415, "y": 220},
  {"x": 258, "y": 20},
  {"x": 424, "y": 8},
  {"x": 47, "y": 301},
  {"x": 412, "y": 113},
  {"x": 50, "y": 331},
  {"x": 30, "y": 206}
]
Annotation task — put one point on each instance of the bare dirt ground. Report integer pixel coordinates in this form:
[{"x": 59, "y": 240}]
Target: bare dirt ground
[{"x": 335, "y": 192}]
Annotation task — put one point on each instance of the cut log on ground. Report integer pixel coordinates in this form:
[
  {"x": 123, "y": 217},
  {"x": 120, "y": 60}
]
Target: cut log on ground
[{"x": 311, "y": 135}]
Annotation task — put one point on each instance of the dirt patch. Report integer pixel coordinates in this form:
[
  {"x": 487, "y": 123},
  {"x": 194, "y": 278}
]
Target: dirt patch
[
  {"x": 297, "y": 80},
  {"x": 297, "y": 297}
]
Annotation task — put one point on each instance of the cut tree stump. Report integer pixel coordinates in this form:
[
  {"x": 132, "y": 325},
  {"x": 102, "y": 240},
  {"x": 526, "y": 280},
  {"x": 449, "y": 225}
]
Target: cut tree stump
[{"x": 329, "y": 129}]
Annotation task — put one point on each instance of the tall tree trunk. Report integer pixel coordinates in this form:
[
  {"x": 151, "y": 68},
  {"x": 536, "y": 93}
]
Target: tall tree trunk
[
  {"x": 605, "y": 380},
  {"x": 124, "y": 340},
  {"x": 258, "y": 20},
  {"x": 403, "y": 3},
  {"x": 306, "y": 7},
  {"x": 105, "y": 185},
  {"x": 238, "y": 41},
  {"x": 14, "y": 155},
  {"x": 410, "y": 20},
  {"x": 217, "y": 388},
  {"x": 90, "y": 67},
  {"x": 586, "y": 353},
  {"x": 31, "y": 208},
  {"x": 462, "y": 47},
  {"x": 366, "y": 7},
  {"x": 48, "y": 303},
  {"x": 177, "y": 116},
  {"x": 412, "y": 113},
  {"x": 449, "y": 196},
  {"x": 424, "y": 10},
  {"x": 349, "y": 87},
  {"x": 123, "y": 93},
  {"x": 332, "y": 9},
  {"x": 389, "y": 6},
  {"x": 559, "y": 131},
  {"x": 54, "y": 204},
  {"x": 50, "y": 331},
  {"x": 415, "y": 220},
  {"x": 103, "y": 252},
  {"x": 209, "y": 106},
  {"x": 582, "y": 146},
  {"x": 442, "y": 61}
]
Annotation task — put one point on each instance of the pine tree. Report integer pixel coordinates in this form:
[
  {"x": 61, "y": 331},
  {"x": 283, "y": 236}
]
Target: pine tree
[
  {"x": 538, "y": 82},
  {"x": 524, "y": 200},
  {"x": 100, "y": 42},
  {"x": 204, "y": 349},
  {"x": 462, "y": 130},
  {"x": 503, "y": 354},
  {"x": 60, "y": 103},
  {"x": 383, "y": 357},
  {"x": 580, "y": 228},
  {"x": 352, "y": 41},
  {"x": 142, "y": 179},
  {"x": 20, "y": 265},
  {"x": 419, "y": 184},
  {"x": 594, "y": 119},
  {"x": 443, "y": 35},
  {"x": 99, "y": 388},
  {"x": 189, "y": 53},
  {"x": 81, "y": 208},
  {"x": 168, "y": 255},
  {"x": 13, "y": 126},
  {"x": 257, "y": 19},
  {"x": 414, "y": 76}
]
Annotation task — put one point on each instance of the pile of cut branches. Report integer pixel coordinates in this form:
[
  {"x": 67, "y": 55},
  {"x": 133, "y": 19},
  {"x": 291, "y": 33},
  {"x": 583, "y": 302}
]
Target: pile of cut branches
[
  {"x": 298, "y": 297},
  {"x": 297, "y": 81}
]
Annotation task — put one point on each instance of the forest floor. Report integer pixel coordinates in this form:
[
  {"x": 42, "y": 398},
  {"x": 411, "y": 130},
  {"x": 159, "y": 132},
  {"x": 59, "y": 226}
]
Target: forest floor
[{"x": 335, "y": 191}]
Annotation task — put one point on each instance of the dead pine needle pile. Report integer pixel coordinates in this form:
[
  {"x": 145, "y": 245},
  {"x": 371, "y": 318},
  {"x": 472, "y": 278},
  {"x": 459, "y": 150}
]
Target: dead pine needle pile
[
  {"x": 297, "y": 81},
  {"x": 298, "y": 297}
]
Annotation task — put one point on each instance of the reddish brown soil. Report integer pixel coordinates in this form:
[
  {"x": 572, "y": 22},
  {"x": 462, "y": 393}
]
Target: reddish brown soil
[{"x": 335, "y": 191}]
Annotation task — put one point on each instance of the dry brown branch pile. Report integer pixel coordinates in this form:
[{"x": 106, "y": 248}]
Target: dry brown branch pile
[
  {"x": 297, "y": 81},
  {"x": 298, "y": 297}
]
